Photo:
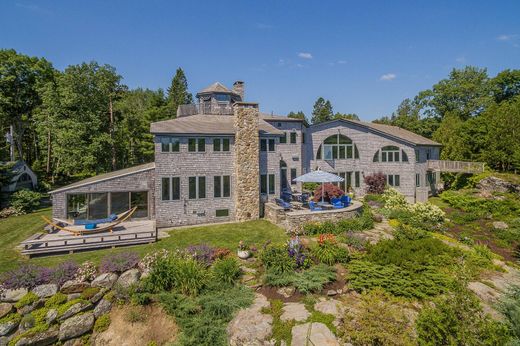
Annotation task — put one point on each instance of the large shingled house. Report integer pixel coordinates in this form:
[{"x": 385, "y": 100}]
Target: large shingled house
[{"x": 220, "y": 155}]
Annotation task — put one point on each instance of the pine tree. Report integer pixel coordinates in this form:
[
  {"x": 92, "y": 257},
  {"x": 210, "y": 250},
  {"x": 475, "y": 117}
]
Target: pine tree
[
  {"x": 178, "y": 93},
  {"x": 322, "y": 111}
]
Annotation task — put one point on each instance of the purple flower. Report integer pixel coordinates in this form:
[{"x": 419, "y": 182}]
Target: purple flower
[
  {"x": 119, "y": 263},
  {"x": 26, "y": 276},
  {"x": 201, "y": 253}
]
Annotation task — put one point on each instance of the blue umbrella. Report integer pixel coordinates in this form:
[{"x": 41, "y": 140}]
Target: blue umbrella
[{"x": 319, "y": 176}]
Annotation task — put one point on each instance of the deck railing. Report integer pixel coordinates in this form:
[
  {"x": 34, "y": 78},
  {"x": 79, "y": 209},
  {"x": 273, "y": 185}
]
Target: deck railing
[
  {"x": 204, "y": 108},
  {"x": 455, "y": 166}
]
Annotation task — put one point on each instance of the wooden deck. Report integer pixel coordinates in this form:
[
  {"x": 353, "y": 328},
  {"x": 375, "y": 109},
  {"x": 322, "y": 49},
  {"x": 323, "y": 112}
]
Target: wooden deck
[
  {"x": 455, "y": 166},
  {"x": 126, "y": 234}
]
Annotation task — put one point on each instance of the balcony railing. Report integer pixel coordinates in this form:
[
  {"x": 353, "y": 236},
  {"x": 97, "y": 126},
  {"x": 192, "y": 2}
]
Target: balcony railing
[
  {"x": 455, "y": 166},
  {"x": 204, "y": 108}
]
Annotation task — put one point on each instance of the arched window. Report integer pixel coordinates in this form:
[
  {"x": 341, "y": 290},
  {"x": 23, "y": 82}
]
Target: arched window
[
  {"x": 337, "y": 147},
  {"x": 390, "y": 153}
]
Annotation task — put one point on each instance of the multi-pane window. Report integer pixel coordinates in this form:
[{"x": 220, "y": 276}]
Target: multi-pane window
[
  {"x": 293, "y": 137},
  {"x": 220, "y": 144},
  {"x": 293, "y": 175},
  {"x": 196, "y": 187},
  {"x": 221, "y": 186},
  {"x": 346, "y": 184},
  {"x": 169, "y": 144},
  {"x": 417, "y": 158},
  {"x": 170, "y": 188},
  {"x": 393, "y": 179},
  {"x": 267, "y": 144},
  {"x": 390, "y": 153},
  {"x": 283, "y": 139},
  {"x": 196, "y": 144},
  {"x": 338, "y": 147},
  {"x": 267, "y": 184}
]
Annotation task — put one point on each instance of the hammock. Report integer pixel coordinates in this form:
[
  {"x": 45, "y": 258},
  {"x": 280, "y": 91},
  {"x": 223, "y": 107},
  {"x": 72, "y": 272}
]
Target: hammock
[{"x": 103, "y": 226}]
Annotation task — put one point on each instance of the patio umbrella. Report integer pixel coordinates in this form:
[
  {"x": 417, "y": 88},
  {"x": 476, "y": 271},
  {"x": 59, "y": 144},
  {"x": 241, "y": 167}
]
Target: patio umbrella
[{"x": 319, "y": 176}]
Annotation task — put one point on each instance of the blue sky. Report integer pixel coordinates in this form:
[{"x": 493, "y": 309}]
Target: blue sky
[{"x": 365, "y": 56}]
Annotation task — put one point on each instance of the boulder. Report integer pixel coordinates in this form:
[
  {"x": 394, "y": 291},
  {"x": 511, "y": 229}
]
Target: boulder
[
  {"x": 313, "y": 334},
  {"x": 294, "y": 311},
  {"x": 75, "y": 309},
  {"x": 73, "y": 296},
  {"x": 31, "y": 307},
  {"x": 45, "y": 291},
  {"x": 250, "y": 326},
  {"x": 129, "y": 278},
  {"x": 97, "y": 297},
  {"x": 106, "y": 280},
  {"x": 5, "y": 308},
  {"x": 331, "y": 307},
  {"x": 74, "y": 342},
  {"x": 494, "y": 184},
  {"x": 48, "y": 337},
  {"x": 4, "y": 341},
  {"x": 12, "y": 296},
  {"x": 72, "y": 286},
  {"x": 102, "y": 308},
  {"x": 286, "y": 291},
  {"x": 51, "y": 316},
  {"x": 8, "y": 327},
  {"x": 76, "y": 326},
  {"x": 500, "y": 225}
]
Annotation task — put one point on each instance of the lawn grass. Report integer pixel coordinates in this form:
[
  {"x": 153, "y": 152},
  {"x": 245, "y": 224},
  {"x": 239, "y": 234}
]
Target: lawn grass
[{"x": 15, "y": 229}]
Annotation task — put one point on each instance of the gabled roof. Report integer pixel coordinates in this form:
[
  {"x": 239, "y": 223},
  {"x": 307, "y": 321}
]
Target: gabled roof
[
  {"x": 206, "y": 125},
  {"x": 392, "y": 131},
  {"x": 107, "y": 176},
  {"x": 216, "y": 87}
]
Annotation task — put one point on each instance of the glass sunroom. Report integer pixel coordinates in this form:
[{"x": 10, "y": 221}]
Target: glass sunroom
[{"x": 100, "y": 205}]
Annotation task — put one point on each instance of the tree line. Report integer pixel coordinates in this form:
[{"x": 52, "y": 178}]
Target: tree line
[
  {"x": 80, "y": 121},
  {"x": 474, "y": 116}
]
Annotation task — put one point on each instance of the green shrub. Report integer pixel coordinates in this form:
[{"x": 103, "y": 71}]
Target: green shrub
[
  {"x": 162, "y": 275},
  {"x": 56, "y": 300},
  {"x": 458, "y": 319},
  {"x": 25, "y": 200},
  {"x": 203, "y": 319},
  {"x": 27, "y": 299},
  {"x": 330, "y": 253},
  {"x": 509, "y": 306},
  {"x": 135, "y": 315},
  {"x": 190, "y": 276},
  {"x": 379, "y": 319},
  {"x": 226, "y": 270},
  {"x": 364, "y": 275},
  {"x": 407, "y": 232},
  {"x": 102, "y": 323},
  {"x": 89, "y": 292},
  {"x": 359, "y": 223},
  {"x": 314, "y": 278},
  {"x": 276, "y": 259}
]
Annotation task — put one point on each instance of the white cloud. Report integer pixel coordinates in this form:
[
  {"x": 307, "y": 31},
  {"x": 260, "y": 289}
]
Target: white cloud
[
  {"x": 305, "y": 55},
  {"x": 388, "y": 76},
  {"x": 506, "y": 37}
]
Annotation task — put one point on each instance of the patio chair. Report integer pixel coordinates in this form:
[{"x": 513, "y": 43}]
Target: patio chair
[
  {"x": 283, "y": 204},
  {"x": 346, "y": 200},
  {"x": 338, "y": 204},
  {"x": 313, "y": 207},
  {"x": 335, "y": 200}
]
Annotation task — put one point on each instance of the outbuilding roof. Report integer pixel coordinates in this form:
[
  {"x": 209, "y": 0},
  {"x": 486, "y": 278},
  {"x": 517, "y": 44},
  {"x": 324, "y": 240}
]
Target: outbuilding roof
[
  {"x": 216, "y": 87},
  {"x": 207, "y": 125},
  {"x": 107, "y": 176}
]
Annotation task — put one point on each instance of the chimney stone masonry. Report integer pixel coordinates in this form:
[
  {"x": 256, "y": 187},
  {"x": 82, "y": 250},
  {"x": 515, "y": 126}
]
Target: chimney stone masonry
[{"x": 239, "y": 87}]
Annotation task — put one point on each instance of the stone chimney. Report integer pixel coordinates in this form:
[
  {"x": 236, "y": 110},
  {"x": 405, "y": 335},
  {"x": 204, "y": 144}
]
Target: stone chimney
[
  {"x": 246, "y": 165},
  {"x": 238, "y": 87}
]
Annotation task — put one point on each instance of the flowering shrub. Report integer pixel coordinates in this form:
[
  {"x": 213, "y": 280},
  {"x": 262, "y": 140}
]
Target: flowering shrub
[
  {"x": 148, "y": 261},
  {"x": 118, "y": 263},
  {"x": 328, "y": 252},
  {"x": 203, "y": 253},
  {"x": 26, "y": 276},
  {"x": 328, "y": 191},
  {"x": 222, "y": 252},
  {"x": 10, "y": 211},
  {"x": 296, "y": 251},
  {"x": 64, "y": 272},
  {"x": 326, "y": 238},
  {"x": 242, "y": 246},
  {"x": 393, "y": 199},
  {"x": 426, "y": 213},
  {"x": 375, "y": 183},
  {"x": 86, "y": 272}
]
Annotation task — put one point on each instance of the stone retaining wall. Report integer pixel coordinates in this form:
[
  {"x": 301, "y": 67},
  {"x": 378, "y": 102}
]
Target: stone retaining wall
[{"x": 293, "y": 221}]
